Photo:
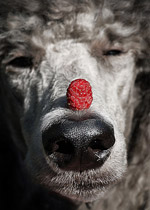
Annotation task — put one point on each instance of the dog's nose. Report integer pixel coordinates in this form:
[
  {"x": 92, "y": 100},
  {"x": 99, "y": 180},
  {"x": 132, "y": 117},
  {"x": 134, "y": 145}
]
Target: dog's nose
[{"x": 79, "y": 145}]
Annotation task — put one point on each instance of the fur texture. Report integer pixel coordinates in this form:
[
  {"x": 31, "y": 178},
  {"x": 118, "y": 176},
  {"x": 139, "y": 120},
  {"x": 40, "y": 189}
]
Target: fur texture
[{"x": 44, "y": 45}]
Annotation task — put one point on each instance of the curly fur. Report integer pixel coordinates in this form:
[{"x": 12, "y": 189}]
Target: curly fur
[{"x": 67, "y": 39}]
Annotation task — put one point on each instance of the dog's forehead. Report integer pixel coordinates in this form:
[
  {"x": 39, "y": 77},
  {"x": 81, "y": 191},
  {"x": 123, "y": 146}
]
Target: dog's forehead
[
  {"x": 71, "y": 25},
  {"x": 66, "y": 18},
  {"x": 63, "y": 20},
  {"x": 82, "y": 26}
]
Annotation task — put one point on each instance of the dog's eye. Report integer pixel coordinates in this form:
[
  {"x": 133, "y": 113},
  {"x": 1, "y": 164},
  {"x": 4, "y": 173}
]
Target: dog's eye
[
  {"x": 112, "y": 52},
  {"x": 21, "y": 62}
]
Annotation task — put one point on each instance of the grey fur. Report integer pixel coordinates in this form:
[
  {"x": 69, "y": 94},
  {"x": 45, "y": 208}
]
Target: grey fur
[{"x": 65, "y": 40}]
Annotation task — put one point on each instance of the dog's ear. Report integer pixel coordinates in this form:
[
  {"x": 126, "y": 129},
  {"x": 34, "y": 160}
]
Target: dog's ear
[
  {"x": 140, "y": 135},
  {"x": 143, "y": 78},
  {"x": 141, "y": 120}
]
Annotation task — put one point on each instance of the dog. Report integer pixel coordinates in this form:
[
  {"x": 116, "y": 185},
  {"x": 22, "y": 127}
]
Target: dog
[{"x": 94, "y": 158}]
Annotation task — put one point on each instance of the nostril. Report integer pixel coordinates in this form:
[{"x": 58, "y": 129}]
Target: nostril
[
  {"x": 102, "y": 142},
  {"x": 96, "y": 145},
  {"x": 64, "y": 147}
]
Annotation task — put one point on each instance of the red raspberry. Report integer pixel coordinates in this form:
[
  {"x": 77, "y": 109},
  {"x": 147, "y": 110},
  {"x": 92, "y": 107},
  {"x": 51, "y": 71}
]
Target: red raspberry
[{"x": 79, "y": 94}]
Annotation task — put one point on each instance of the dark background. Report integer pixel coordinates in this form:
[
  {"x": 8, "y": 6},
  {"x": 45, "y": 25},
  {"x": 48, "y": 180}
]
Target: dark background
[{"x": 16, "y": 189}]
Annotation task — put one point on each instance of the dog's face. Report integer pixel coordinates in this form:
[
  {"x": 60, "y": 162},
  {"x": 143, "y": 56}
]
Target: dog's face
[{"x": 77, "y": 154}]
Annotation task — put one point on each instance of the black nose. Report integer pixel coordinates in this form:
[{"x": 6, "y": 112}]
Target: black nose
[{"x": 79, "y": 145}]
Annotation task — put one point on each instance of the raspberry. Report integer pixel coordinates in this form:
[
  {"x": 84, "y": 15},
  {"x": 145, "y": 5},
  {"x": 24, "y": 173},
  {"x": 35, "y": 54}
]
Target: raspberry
[{"x": 79, "y": 94}]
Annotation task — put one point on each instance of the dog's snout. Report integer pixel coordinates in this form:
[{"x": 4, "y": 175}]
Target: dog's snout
[{"x": 79, "y": 145}]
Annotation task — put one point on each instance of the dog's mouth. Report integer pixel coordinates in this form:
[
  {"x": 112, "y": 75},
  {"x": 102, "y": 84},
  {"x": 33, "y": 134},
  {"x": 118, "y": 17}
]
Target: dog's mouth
[{"x": 82, "y": 186}]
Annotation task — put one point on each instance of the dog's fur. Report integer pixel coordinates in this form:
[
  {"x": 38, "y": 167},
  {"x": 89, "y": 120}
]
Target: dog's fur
[{"x": 44, "y": 45}]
